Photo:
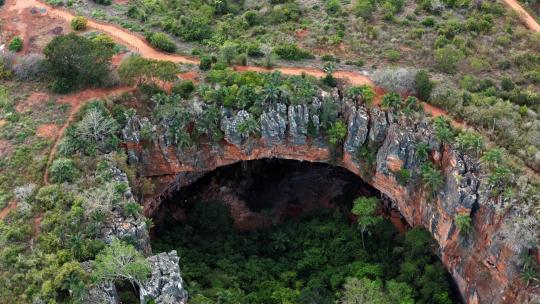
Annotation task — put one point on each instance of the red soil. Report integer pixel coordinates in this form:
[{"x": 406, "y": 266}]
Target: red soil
[
  {"x": 4, "y": 212},
  {"x": 48, "y": 131},
  {"x": 36, "y": 99}
]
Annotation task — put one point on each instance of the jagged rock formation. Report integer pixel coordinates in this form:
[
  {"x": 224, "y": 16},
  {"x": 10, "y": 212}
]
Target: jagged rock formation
[
  {"x": 482, "y": 263},
  {"x": 166, "y": 285}
]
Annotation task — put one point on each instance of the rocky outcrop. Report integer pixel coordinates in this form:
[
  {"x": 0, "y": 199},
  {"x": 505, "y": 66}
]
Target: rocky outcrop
[
  {"x": 165, "y": 286},
  {"x": 481, "y": 262},
  {"x": 125, "y": 227}
]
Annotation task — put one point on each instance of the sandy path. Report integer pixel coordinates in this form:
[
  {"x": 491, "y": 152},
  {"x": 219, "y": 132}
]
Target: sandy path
[{"x": 524, "y": 16}]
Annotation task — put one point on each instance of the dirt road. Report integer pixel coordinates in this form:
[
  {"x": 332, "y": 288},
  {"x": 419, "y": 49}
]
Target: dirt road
[{"x": 524, "y": 16}]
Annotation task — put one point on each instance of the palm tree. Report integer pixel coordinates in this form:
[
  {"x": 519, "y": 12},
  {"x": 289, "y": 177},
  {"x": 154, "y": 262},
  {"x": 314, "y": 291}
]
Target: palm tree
[{"x": 432, "y": 178}]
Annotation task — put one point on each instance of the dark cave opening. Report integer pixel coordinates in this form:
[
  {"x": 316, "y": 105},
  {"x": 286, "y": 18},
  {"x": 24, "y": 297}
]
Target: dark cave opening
[{"x": 273, "y": 230}]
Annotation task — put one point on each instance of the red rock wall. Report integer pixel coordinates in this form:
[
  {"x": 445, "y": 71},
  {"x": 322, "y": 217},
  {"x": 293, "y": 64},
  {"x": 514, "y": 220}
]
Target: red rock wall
[{"x": 480, "y": 272}]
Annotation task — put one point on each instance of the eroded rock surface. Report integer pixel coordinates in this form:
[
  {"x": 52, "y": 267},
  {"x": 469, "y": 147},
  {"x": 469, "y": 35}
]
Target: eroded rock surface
[{"x": 165, "y": 285}]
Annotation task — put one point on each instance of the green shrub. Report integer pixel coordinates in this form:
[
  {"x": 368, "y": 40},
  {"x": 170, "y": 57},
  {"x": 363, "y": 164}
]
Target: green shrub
[
  {"x": 463, "y": 222},
  {"x": 290, "y": 51},
  {"x": 63, "y": 170},
  {"x": 79, "y": 23},
  {"x": 16, "y": 44},
  {"x": 163, "y": 42},
  {"x": 205, "y": 62},
  {"x": 104, "y": 2},
  {"x": 332, "y": 6},
  {"x": 364, "y": 8},
  {"x": 448, "y": 58},
  {"x": 424, "y": 86},
  {"x": 393, "y": 55},
  {"x": 391, "y": 101},
  {"x": 184, "y": 88},
  {"x": 337, "y": 133}
]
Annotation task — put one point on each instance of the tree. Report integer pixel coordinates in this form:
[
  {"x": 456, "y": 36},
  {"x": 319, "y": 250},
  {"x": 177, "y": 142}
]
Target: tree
[
  {"x": 120, "y": 261},
  {"x": 447, "y": 58},
  {"x": 95, "y": 128},
  {"x": 228, "y": 52},
  {"x": 363, "y": 291},
  {"x": 492, "y": 157},
  {"x": 75, "y": 62},
  {"x": 432, "y": 178},
  {"x": 391, "y": 101},
  {"x": 16, "y": 44},
  {"x": 470, "y": 141},
  {"x": 364, "y": 208},
  {"x": 205, "y": 62},
  {"x": 399, "y": 292},
  {"x": 137, "y": 70},
  {"x": 290, "y": 51},
  {"x": 79, "y": 23},
  {"x": 63, "y": 170},
  {"x": 423, "y": 84},
  {"x": 443, "y": 130}
]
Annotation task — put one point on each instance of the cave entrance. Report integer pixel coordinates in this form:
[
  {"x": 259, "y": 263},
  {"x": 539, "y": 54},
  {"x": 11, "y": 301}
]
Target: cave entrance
[{"x": 282, "y": 231}]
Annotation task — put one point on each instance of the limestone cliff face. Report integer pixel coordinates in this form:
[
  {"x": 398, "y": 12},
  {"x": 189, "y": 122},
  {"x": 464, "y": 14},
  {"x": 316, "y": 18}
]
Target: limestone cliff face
[{"x": 377, "y": 147}]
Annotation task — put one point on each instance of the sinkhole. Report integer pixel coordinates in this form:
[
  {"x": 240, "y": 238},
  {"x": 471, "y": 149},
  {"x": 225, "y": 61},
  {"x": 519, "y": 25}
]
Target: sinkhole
[{"x": 284, "y": 231}]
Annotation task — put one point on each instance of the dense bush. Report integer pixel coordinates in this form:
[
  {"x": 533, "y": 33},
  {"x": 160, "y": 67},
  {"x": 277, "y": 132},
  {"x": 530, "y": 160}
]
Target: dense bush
[
  {"x": 423, "y": 84},
  {"x": 184, "y": 88},
  {"x": 63, "y": 170},
  {"x": 79, "y": 23},
  {"x": 75, "y": 62},
  {"x": 16, "y": 44},
  {"x": 205, "y": 62},
  {"x": 290, "y": 51},
  {"x": 162, "y": 41},
  {"x": 104, "y": 2},
  {"x": 448, "y": 58}
]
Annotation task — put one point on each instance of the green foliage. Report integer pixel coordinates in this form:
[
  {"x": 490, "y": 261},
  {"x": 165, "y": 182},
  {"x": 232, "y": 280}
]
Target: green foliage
[
  {"x": 63, "y": 170},
  {"x": 364, "y": 208},
  {"x": 337, "y": 133},
  {"x": 403, "y": 176},
  {"x": 364, "y": 93},
  {"x": 16, "y": 44},
  {"x": 75, "y": 62},
  {"x": 357, "y": 291},
  {"x": 120, "y": 261},
  {"x": 332, "y": 6},
  {"x": 364, "y": 8},
  {"x": 137, "y": 70},
  {"x": 228, "y": 52},
  {"x": 184, "y": 88},
  {"x": 463, "y": 222},
  {"x": 443, "y": 130},
  {"x": 423, "y": 84},
  {"x": 391, "y": 101},
  {"x": 290, "y": 51},
  {"x": 432, "y": 178},
  {"x": 448, "y": 58},
  {"x": 205, "y": 62},
  {"x": 308, "y": 259},
  {"x": 470, "y": 141},
  {"x": 162, "y": 42},
  {"x": 103, "y": 2},
  {"x": 79, "y": 23}
]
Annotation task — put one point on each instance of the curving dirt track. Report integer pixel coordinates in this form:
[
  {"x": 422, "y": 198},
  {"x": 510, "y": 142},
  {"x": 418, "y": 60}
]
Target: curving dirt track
[{"x": 524, "y": 16}]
